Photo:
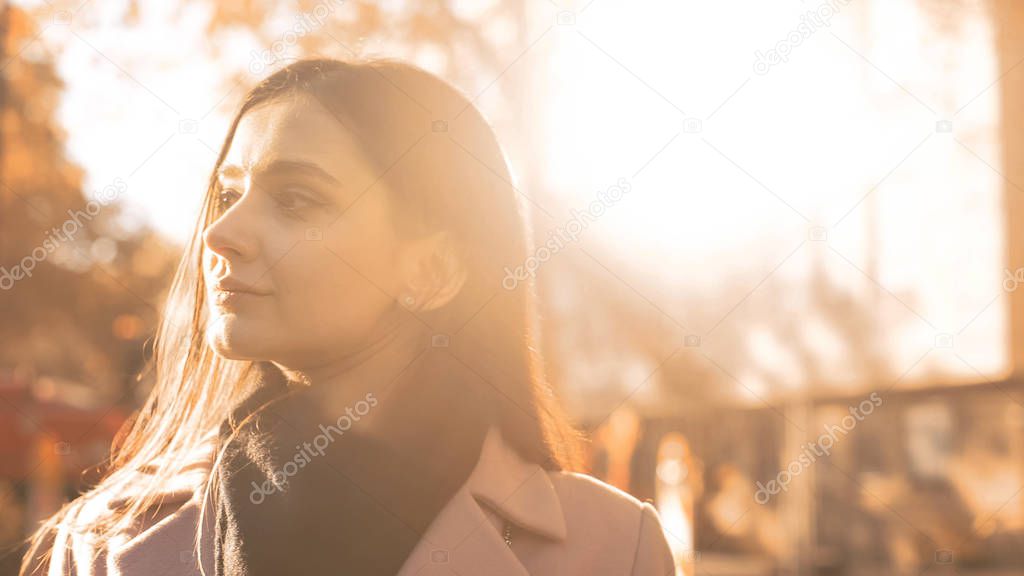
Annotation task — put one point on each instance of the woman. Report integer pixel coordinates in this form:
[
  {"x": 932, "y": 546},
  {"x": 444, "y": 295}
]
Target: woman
[{"x": 343, "y": 385}]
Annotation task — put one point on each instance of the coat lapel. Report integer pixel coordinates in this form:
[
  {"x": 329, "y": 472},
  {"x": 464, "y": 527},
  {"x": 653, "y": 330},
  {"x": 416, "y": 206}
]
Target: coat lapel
[
  {"x": 463, "y": 540},
  {"x": 520, "y": 491}
]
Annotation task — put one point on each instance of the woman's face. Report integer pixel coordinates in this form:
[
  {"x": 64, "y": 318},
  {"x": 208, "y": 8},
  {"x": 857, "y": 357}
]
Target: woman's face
[{"x": 303, "y": 226}]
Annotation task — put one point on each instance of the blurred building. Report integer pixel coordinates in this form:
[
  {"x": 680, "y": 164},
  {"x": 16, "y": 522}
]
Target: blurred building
[{"x": 50, "y": 451}]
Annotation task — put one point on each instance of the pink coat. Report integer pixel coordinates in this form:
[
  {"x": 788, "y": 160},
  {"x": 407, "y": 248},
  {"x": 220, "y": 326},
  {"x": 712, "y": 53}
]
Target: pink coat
[{"x": 565, "y": 523}]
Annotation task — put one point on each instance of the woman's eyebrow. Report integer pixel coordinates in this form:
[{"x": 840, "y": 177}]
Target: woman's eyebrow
[{"x": 231, "y": 171}]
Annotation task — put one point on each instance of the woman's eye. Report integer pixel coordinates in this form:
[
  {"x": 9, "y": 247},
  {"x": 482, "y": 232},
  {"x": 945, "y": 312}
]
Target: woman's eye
[
  {"x": 225, "y": 198},
  {"x": 291, "y": 200}
]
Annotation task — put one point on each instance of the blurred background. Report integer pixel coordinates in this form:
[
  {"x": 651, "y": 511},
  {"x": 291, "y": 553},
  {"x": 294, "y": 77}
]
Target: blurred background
[{"x": 787, "y": 310}]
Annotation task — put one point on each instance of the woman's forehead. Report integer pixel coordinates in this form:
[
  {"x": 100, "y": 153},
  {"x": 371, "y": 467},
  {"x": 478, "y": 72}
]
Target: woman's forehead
[{"x": 294, "y": 130}]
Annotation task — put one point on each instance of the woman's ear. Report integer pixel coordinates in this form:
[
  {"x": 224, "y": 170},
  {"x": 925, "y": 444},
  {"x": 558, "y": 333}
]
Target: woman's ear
[{"x": 433, "y": 271}]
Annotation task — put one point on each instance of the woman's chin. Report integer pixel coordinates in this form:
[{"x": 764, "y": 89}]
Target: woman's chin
[{"x": 235, "y": 338}]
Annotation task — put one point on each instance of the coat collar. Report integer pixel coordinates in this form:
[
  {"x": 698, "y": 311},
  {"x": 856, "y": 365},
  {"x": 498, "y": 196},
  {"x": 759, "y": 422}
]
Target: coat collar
[
  {"x": 462, "y": 539},
  {"x": 518, "y": 490}
]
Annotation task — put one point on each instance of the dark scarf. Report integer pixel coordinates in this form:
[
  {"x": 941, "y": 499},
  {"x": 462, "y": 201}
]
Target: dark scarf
[{"x": 359, "y": 505}]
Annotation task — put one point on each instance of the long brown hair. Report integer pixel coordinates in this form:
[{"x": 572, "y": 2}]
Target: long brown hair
[{"x": 440, "y": 159}]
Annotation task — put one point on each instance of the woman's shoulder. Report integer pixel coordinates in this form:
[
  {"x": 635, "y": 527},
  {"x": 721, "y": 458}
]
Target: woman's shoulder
[
  {"x": 74, "y": 545},
  {"x": 603, "y": 515},
  {"x": 576, "y": 489}
]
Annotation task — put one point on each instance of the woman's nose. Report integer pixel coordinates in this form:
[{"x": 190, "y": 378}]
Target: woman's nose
[{"x": 231, "y": 235}]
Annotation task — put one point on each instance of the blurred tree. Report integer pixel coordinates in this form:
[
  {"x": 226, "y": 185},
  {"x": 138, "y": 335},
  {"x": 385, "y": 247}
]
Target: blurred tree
[{"x": 78, "y": 291}]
